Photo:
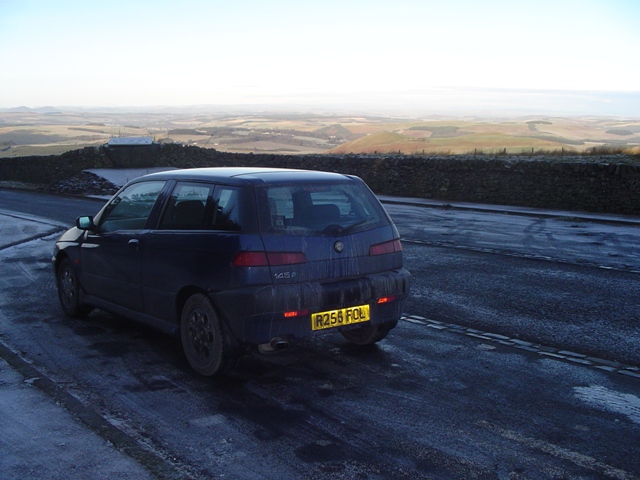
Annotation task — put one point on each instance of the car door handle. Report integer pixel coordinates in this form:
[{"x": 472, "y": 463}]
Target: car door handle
[{"x": 135, "y": 243}]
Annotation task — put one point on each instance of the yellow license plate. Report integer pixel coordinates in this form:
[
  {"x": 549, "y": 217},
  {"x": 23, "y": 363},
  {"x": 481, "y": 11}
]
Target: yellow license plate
[{"x": 337, "y": 318}]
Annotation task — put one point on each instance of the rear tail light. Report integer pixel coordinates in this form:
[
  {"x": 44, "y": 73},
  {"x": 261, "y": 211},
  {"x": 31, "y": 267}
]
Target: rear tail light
[
  {"x": 250, "y": 259},
  {"x": 296, "y": 313},
  {"x": 386, "y": 247},
  {"x": 382, "y": 300},
  {"x": 265, "y": 259}
]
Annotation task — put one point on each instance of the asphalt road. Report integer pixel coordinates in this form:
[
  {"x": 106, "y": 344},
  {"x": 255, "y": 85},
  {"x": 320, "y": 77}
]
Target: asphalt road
[
  {"x": 564, "y": 282},
  {"x": 511, "y": 364}
]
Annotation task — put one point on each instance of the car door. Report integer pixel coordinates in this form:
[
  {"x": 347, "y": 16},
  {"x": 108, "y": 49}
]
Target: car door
[
  {"x": 197, "y": 238},
  {"x": 110, "y": 255}
]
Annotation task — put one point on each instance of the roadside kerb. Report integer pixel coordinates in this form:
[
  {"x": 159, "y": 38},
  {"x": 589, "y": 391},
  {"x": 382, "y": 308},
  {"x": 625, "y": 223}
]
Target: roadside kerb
[
  {"x": 16, "y": 229},
  {"x": 506, "y": 209},
  {"x": 122, "y": 442}
]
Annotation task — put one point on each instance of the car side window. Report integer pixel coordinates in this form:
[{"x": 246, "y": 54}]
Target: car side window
[
  {"x": 227, "y": 209},
  {"x": 188, "y": 208},
  {"x": 130, "y": 209}
]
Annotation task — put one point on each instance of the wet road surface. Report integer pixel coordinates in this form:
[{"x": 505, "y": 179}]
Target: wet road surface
[{"x": 430, "y": 401}]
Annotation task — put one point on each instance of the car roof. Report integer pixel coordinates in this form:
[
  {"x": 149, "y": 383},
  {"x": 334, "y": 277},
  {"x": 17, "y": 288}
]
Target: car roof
[{"x": 240, "y": 175}]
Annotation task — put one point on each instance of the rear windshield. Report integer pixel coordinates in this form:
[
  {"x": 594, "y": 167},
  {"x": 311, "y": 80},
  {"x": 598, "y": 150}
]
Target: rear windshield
[{"x": 329, "y": 209}]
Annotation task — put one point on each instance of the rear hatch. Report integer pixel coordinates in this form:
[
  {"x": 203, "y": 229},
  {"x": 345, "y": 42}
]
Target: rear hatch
[{"x": 324, "y": 231}]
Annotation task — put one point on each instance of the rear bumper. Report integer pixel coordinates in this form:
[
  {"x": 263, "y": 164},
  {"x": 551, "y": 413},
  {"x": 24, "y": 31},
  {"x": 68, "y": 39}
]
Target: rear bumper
[{"x": 256, "y": 315}]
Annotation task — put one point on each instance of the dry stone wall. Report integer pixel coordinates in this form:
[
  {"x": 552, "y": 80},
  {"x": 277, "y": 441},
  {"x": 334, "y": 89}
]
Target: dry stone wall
[{"x": 608, "y": 184}]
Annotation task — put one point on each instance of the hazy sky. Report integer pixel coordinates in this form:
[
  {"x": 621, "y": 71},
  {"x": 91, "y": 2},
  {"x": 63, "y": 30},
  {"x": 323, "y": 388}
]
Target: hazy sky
[{"x": 135, "y": 52}]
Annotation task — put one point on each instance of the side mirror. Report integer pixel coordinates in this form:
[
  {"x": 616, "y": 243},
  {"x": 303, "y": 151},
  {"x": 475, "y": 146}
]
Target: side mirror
[{"x": 85, "y": 223}]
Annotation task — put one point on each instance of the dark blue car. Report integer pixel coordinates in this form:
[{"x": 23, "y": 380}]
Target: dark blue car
[{"x": 233, "y": 257}]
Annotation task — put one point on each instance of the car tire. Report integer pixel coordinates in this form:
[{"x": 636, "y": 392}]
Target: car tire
[
  {"x": 69, "y": 291},
  {"x": 202, "y": 339},
  {"x": 367, "y": 335}
]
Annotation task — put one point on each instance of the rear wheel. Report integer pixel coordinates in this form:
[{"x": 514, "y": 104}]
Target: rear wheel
[
  {"x": 69, "y": 291},
  {"x": 368, "y": 334},
  {"x": 202, "y": 338}
]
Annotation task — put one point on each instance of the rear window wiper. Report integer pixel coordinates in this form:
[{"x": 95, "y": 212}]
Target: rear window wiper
[{"x": 338, "y": 230}]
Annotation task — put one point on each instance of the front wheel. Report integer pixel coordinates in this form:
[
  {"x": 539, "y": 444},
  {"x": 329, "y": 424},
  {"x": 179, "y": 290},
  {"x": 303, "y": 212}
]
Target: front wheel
[
  {"x": 69, "y": 291},
  {"x": 202, "y": 339},
  {"x": 368, "y": 334}
]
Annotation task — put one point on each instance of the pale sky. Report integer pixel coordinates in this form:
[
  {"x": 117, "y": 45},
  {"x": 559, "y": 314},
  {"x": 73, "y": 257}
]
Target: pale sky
[{"x": 191, "y": 52}]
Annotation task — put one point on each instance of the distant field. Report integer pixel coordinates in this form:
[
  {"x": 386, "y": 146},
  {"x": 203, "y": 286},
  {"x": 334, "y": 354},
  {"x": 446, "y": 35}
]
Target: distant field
[{"x": 29, "y": 132}]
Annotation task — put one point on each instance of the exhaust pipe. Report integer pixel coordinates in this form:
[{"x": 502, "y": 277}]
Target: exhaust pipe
[
  {"x": 276, "y": 343},
  {"x": 279, "y": 343}
]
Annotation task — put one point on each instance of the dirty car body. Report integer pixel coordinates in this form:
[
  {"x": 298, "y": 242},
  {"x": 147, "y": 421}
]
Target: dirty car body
[{"x": 233, "y": 257}]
